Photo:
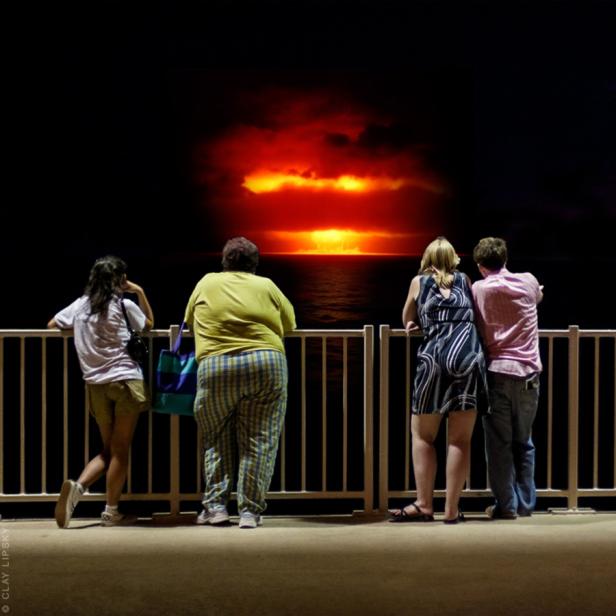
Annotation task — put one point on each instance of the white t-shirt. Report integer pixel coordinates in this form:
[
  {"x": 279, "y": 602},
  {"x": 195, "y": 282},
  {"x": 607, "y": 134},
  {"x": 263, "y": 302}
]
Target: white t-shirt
[{"x": 100, "y": 340}]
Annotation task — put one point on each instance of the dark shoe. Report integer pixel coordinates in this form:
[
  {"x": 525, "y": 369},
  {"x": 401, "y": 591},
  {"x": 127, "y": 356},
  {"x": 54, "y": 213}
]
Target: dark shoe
[
  {"x": 494, "y": 513},
  {"x": 400, "y": 515},
  {"x": 459, "y": 518}
]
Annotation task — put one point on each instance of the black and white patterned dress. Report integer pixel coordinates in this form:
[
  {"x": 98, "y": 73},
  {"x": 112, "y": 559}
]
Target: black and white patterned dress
[{"x": 451, "y": 367}]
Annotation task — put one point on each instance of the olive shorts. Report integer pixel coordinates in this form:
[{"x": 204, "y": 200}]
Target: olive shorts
[{"x": 117, "y": 398}]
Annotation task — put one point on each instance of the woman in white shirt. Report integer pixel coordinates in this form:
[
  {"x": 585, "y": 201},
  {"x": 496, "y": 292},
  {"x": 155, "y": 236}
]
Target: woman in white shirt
[{"x": 114, "y": 381}]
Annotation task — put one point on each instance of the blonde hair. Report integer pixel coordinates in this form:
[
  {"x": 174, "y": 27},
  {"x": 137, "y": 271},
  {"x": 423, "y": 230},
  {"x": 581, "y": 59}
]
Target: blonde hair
[{"x": 440, "y": 260}]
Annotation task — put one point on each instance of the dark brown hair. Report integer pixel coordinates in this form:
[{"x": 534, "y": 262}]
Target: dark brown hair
[
  {"x": 240, "y": 255},
  {"x": 106, "y": 277}
]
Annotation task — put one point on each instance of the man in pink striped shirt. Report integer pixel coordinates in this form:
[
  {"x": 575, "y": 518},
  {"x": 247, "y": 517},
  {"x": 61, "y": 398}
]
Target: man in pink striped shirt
[{"x": 506, "y": 313}]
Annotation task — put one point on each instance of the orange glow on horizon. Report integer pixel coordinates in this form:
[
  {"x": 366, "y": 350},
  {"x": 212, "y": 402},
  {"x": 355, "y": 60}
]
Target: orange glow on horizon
[{"x": 272, "y": 181}]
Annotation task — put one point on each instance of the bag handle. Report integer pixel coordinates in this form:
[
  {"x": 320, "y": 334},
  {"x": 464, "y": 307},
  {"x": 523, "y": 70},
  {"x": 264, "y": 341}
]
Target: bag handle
[
  {"x": 178, "y": 340},
  {"x": 130, "y": 329}
]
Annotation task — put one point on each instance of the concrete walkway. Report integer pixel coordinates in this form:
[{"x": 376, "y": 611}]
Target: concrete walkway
[{"x": 546, "y": 564}]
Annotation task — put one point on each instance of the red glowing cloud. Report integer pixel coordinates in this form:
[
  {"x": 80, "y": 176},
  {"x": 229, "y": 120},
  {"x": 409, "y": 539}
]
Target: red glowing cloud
[
  {"x": 264, "y": 181},
  {"x": 318, "y": 174}
]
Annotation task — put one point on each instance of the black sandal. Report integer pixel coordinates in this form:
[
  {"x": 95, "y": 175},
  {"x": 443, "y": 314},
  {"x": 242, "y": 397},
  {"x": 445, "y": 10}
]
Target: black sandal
[
  {"x": 459, "y": 518},
  {"x": 403, "y": 516}
]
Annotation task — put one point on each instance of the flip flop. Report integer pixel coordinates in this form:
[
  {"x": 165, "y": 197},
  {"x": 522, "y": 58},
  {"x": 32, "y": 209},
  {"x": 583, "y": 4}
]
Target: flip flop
[
  {"x": 459, "y": 518},
  {"x": 403, "y": 516}
]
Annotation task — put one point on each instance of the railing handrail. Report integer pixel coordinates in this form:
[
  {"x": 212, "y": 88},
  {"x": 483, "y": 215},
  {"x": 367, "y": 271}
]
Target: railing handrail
[
  {"x": 542, "y": 332},
  {"x": 164, "y": 333},
  {"x": 359, "y": 331}
]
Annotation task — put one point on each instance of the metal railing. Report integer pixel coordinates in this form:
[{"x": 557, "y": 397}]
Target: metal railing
[
  {"x": 588, "y": 405},
  {"x": 326, "y": 449},
  {"x": 48, "y": 436}
]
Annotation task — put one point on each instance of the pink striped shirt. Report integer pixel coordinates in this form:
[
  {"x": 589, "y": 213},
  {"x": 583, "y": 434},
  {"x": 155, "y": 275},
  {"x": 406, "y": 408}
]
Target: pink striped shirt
[{"x": 506, "y": 313}]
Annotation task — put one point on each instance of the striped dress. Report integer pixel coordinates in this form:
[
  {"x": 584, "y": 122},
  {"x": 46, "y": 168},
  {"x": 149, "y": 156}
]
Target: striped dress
[{"x": 451, "y": 367}]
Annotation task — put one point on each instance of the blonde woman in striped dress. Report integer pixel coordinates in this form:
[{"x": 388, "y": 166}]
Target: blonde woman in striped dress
[{"x": 451, "y": 373}]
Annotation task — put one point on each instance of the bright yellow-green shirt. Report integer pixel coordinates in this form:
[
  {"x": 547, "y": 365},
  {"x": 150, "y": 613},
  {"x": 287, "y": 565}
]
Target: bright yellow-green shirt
[{"x": 231, "y": 312}]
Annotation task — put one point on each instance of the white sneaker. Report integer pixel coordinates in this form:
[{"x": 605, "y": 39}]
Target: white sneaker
[
  {"x": 69, "y": 497},
  {"x": 117, "y": 519},
  {"x": 248, "y": 519},
  {"x": 216, "y": 515}
]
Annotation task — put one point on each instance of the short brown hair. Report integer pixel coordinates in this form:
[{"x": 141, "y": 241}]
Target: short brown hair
[
  {"x": 491, "y": 253},
  {"x": 240, "y": 255}
]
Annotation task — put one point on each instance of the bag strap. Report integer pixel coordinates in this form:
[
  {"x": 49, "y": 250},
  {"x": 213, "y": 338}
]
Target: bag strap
[
  {"x": 178, "y": 340},
  {"x": 130, "y": 329}
]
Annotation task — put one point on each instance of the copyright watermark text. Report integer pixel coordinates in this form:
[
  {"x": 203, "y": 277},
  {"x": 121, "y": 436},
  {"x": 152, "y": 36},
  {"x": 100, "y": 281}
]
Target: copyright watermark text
[{"x": 5, "y": 571}]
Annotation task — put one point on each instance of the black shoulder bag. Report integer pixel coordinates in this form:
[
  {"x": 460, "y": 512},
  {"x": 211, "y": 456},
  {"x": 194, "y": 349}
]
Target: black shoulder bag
[{"x": 136, "y": 346}]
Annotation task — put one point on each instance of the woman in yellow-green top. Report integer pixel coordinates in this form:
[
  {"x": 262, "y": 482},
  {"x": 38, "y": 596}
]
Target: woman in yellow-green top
[{"x": 239, "y": 320}]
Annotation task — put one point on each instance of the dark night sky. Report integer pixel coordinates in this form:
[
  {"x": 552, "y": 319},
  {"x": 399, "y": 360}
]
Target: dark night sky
[{"x": 98, "y": 136}]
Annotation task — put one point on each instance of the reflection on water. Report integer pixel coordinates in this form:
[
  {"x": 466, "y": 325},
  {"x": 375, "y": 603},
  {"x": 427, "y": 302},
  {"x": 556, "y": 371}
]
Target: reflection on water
[
  {"x": 332, "y": 295},
  {"x": 343, "y": 292}
]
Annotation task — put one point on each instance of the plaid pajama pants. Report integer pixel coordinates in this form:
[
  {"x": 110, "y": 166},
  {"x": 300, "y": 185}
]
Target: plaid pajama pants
[{"x": 240, "y": 408}]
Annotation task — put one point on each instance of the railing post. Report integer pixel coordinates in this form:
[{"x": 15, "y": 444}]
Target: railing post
[
  {"x": 174, "y": 446},
  {"x": 368, "y": 418},
  {"x": 573, "y": 425},
  {"x": 2, "y": 448},
  {"x": 384, "y": 418},
  {"x": 574, "y": 413}
]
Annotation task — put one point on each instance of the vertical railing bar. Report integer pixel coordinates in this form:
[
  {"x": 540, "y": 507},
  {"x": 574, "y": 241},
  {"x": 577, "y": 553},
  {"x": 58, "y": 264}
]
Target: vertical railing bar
[
  {"x": 324, "y": 413},
  {"x": 383, "y": 418},
  {"x": 283, "y": 455},
  {"x": 303, "y": 411},
  {"x": 65, "y": 407},
  {"x": 468, "y": 471},
  {"x": 199, "y": 456},
  {"x": 150, "y": 414},
  {"x": 22, "y": 415},
  {"x": 595, "y": 462},
  {"x": 283, "y": 459},
  {"x": 345, "y": 412},
  {"x": 43, "y": 415},
  {"x": 368, "y": 418},
  {"x": 150, "y": 439},
  {"x": 129, "y": 470},
  {"x": 174, "y": 445},
  {"x": 86, "y": 448},
  {"x": 174, "y": 468},
  {"x": 407, "y": 414},
  {"x": 550, "y": 410},
  {"x": 2, "y": 448},
  {"x": 573, "y": 417}
]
